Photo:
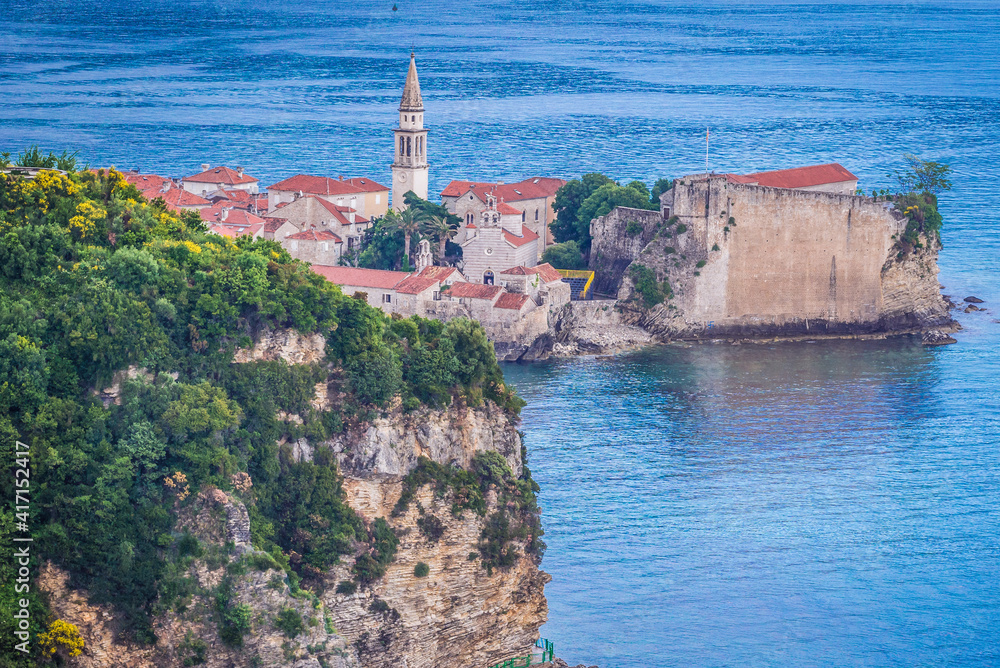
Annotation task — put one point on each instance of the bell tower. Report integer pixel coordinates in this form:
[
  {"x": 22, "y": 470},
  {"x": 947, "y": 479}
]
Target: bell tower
[{"x": 409, "y": 169}]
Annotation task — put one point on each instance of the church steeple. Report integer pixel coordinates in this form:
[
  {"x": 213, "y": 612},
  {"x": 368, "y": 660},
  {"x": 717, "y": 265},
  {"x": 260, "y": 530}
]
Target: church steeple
[
  {"x": 409, "y": 169},
  {"x": 412, "y": 101}
]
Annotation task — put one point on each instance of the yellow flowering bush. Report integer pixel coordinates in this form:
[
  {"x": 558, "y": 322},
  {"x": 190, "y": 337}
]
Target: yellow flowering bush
[
  {"x": 85, "y": 221},
  {"x": 61, "y": 635}
]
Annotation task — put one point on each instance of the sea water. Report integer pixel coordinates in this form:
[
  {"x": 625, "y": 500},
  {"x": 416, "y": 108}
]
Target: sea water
[{"x": 819, "y": 503}]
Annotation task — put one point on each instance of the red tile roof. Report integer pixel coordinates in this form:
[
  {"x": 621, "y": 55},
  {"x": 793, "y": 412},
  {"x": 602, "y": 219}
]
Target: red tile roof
[
  {"x": 317, "y": 185},
  {"x": 527, "y": 236},
  {"x": 361, "y": 278},
  {"x": 272, "y": 224},
  {"x": 221, "y": 174},
  {"x": 511, "y": 300},
  {"x": 474, "y": 290},
  {"x": 507, "y": 209},
  {"x": 178, "y": 197},
  {"x": 414, "y": 285},
  {"x": 233, "y": 231},
  {"x": 533, "y": 188},
  {"x": 799, "y": 177},
  {"x": 145, "y": 182},
  {"x": 366, "y": 185},
  {"x": 439, "y": 273},
  {"x": 545, "y": 271},
  {"x": 234, "y": 217},
  {"x": 316, "y": 235},
  {"x": 241, "y": 196}
]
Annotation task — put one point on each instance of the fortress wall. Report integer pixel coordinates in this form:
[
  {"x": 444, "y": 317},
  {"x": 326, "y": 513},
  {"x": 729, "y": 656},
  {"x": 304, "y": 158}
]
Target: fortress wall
[{"x": 791, "y": 255}]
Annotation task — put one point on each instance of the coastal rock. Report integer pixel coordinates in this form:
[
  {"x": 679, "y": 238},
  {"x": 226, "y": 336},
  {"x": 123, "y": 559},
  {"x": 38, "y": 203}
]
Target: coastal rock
[
  {"x": 596, "y": 327},
  {"x": 389, "y": 446},
  {"x": 285, "y": 344},
  {"x": 936, "y": 337},
  {"x": 973, "y": 300},
  {"x": 458, "y": 615},
  {"x": 972, "y": 309}
]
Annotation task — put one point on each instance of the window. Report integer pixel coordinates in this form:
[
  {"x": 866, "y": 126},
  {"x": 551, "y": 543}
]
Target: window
[
  {"x": 409, "y": 146},
  {"x": 536, "y": 214},
  {"x": 326, "y": 246},
  {"x": 378, "y": 198},
  {"x": 437, "y": 296},
  {"x": 402, "y": 146},
  {"x": 387, "y": 298},
  {"x": 524, "y": 216},
  {"x": 488, "y": 277}
]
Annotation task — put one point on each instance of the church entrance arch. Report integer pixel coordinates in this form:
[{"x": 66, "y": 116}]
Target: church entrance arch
[{"x": 488, "y": 277}]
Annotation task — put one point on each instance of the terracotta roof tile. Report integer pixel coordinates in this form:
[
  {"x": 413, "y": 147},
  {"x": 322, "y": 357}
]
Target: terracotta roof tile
[
  {"x": 533, "y": 188},
  {"x": 800, "y": 177},
  {"x": 415, "y": 284},
  {"x": 545, "y": 271},
  {"x": 221, "y": 174},
  {"x": 234, "y": 217},
  {"x": 367, "y": 185},
  {"x": 511, "y": 300},
  {"x": 439, "y": 273},
  {"x": 474, "y": 290},
  {"x": 317, "y": 185},
  {"x": 316, "y": 235},
  {"x": 361, "y": 278},
  {"x": 527, "y": 236},
  {"x": 507, "y": 209}
]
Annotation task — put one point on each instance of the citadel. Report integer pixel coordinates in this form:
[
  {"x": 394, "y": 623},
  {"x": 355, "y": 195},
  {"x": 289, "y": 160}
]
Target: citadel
[{"x": 784, "y": 254}]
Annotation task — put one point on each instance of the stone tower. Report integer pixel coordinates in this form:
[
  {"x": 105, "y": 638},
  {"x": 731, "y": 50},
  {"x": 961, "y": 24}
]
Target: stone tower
[{"x": 409, "y": 170}]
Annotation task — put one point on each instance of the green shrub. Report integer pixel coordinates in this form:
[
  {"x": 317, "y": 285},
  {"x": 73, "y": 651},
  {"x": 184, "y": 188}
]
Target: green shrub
[
  {"x": 701, "y": 263},
  {"x": 646, "y": 285},
  {"x": 682, "y": 228},
  {"x": 431, "y": 527},
  {"x": 421, "y": 570},
  {"x": 347, "y": 587},
  {"x": 289, "y": 621},
  {"x": 731, "y": 221},
  {"x": 715, "y": 247},
  {"x": 633, "y": 228},
  {"x": 566, "y": 255}
]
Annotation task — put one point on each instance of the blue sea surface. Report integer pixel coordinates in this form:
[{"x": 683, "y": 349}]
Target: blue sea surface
[{"x": 807, "y": 504}]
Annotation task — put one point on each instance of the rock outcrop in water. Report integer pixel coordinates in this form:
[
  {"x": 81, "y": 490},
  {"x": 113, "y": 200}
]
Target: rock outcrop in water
[{"x": 726, "y": 260}]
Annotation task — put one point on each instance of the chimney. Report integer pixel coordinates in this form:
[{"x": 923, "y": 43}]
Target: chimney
[
  {"x": 350, "y": 216},
  {"x": 165, "y": 187},
  {"x": 239, "y": 172},
  {"x": 341, "y": 177},
  {"x": 205, "y": 166}
]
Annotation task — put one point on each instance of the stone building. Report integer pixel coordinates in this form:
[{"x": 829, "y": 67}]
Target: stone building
[
  {"x": 543, "y": 283},
  {"x": 375, "y": 202},
  {"x": 315, "y": 212},
  {"x": 314, "y": 246},
  {"x": 336, "y": 191},
  {"x": 219, "y": 178},
  {"x": 530, "y": 199},
  {"x": 492, "y": 245},
  {"x": 409, "y": 168}
]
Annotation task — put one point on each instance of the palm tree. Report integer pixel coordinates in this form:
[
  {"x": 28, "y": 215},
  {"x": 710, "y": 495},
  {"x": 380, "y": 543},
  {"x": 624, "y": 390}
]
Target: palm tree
[
  {"x": 407, "y": 222},
  {"x": 441, "y": 228}
]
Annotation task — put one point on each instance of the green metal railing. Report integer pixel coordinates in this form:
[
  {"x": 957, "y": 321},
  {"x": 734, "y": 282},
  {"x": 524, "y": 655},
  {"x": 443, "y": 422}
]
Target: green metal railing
[{"x": 545, "y": 656}]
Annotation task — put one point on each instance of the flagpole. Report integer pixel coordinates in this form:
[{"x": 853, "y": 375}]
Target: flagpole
[{"x": 706, "y": 152}]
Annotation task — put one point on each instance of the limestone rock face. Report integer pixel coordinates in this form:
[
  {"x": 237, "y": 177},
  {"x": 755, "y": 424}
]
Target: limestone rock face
[
  {"x": 286, "y": 344},
  {"x": 388, "y": 447},
  {"x": 457, "y": 615}
]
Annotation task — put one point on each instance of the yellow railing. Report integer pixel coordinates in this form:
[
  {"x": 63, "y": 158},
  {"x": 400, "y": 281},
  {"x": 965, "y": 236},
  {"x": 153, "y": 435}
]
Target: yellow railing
[{"x": 588, "y": 277}]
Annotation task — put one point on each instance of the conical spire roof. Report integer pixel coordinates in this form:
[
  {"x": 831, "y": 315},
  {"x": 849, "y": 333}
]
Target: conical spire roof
[{"x": 411, "y": 91}]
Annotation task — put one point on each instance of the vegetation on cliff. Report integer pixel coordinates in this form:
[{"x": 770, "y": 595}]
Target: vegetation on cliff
[
  {"x": 581, "y": 200},
  {"x": 916, "y": 193},
  {"x": 95, "y": 280}
]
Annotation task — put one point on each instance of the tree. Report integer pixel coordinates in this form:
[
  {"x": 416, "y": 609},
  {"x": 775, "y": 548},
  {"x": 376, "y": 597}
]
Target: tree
[
  {"x": 441, "y": 229},
  {"x": 567, "y": 204},
  {"x": 923, "y": 176},
  {"x": 566, "y": 255},
  {"x": 600, "y": 203},
  {"x": 661, "y": 186},
  {"x": 408, "y": 222}
]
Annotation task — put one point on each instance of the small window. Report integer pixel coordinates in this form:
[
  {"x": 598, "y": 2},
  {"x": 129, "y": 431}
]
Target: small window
[
  {"x": 326, "y": 246},
  {"x": 378, "y": 198},
  {"x": 536, "y": 214},
  {"x": 523, "y": 216},
  {"x": 387, "y": 298},
  {"x": 437, "y": 296}
]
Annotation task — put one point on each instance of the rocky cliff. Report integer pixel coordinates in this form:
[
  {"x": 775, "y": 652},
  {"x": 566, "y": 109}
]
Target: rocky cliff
[{"x": 480, "y": 600}]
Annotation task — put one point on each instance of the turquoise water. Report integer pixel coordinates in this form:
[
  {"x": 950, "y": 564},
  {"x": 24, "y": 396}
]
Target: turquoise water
[{"x": 800, "y": 504}]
